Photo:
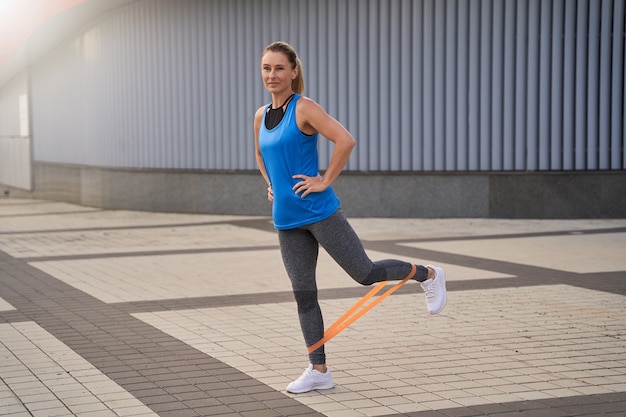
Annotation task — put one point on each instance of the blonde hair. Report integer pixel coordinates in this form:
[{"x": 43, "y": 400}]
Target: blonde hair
[{"x": 297, "y": 84}]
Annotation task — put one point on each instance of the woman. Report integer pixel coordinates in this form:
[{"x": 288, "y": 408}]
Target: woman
[{"x": 305, "y": 209}]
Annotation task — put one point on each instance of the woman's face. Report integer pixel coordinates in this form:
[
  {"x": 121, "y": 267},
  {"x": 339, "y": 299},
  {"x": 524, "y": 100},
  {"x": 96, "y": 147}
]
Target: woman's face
[{"x": 277, "y": 72}]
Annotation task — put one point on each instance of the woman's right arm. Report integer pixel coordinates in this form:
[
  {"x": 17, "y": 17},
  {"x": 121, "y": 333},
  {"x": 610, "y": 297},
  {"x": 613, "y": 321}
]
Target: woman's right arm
[{"x": 258, "y": 119}]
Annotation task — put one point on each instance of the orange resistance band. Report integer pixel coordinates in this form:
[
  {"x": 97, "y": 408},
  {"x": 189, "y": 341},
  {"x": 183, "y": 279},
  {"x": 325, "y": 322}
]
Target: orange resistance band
[{"x": 348, "y": 318}]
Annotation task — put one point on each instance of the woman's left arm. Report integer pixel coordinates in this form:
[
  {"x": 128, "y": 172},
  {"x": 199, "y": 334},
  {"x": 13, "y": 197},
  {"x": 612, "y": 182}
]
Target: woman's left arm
[{"x": 312, "y": 118}]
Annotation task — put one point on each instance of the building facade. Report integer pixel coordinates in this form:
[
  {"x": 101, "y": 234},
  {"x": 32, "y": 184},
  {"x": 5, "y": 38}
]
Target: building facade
[{"x": 479, "y": 108}]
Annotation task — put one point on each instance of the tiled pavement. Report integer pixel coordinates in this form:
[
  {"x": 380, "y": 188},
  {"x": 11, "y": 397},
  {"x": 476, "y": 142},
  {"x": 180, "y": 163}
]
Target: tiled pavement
[{"x": 117, "y": 313}]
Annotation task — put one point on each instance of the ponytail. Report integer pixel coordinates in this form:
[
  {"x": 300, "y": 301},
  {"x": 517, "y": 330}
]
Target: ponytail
[{"x": 297, "y": 84}]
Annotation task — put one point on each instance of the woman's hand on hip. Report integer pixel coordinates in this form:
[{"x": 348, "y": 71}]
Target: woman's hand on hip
[
  {"x": 270, "y": 193},
  {"x": 309, "y": 185}
]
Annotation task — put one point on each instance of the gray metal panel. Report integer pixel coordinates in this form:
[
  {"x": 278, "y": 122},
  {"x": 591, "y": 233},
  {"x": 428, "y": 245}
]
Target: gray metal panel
[
  {"x": 592, "y": 85},
  {"x": 582, "y": 19},
  {"x": 474, "y": 86},
  {"x": 617, "y": 88},
  {"x": 604, "y": 135},
  {"x": 428, "y": 133},
  {"x": 533, "y": 85},
  {"x": 508, "y": 138},
  {"x": 520, "y": 86},
  {"x": 416, "y": 89},
  {"x": 461, "y": 99},
  {"x": 497, "y": 81},
  {"x": 566, "y": 154},
  {"x": 549, "y": 150},
  {"x": 15, "y": 134},
  {"x": 423, "y": 85},
  {"x": 446, "y": 146},
  {"x": 545, "y": 85}
]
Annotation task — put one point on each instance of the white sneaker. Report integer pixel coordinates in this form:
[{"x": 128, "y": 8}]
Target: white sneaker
[
  {"x": 435, "y": 290},
  {"x": 311, "y": 380}
]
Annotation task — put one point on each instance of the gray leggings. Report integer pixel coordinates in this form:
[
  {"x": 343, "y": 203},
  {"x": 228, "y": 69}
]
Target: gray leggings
[{"x": 299, "y": 248}]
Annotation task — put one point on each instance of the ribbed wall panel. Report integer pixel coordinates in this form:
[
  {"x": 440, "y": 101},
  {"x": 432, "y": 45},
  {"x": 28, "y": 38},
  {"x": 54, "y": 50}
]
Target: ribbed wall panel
[
  {"x": 15, "y": 139},
  {"x": 424, "y": 85}
]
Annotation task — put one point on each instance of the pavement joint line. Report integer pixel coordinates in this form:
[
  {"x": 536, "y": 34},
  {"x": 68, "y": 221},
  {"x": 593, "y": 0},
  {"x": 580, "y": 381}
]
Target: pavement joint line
[
  {"x": 6, "y": 216},
  {"x": 242, "y": 223},
  {"x": 146, "y": 253}
]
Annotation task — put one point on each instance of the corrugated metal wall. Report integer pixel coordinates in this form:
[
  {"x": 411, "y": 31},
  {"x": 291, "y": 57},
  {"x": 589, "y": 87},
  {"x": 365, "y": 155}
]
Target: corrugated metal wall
[
  {"x": 15, "y": 140},
  {"x": 430, "y": 85}
]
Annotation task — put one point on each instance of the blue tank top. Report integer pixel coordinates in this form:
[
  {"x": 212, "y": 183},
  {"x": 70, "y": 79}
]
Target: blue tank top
[{"x": 286, "y": 152}]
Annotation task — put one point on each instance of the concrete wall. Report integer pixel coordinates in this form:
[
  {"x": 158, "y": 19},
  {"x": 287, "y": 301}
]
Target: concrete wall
[{"x": 420, "y": 195}]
